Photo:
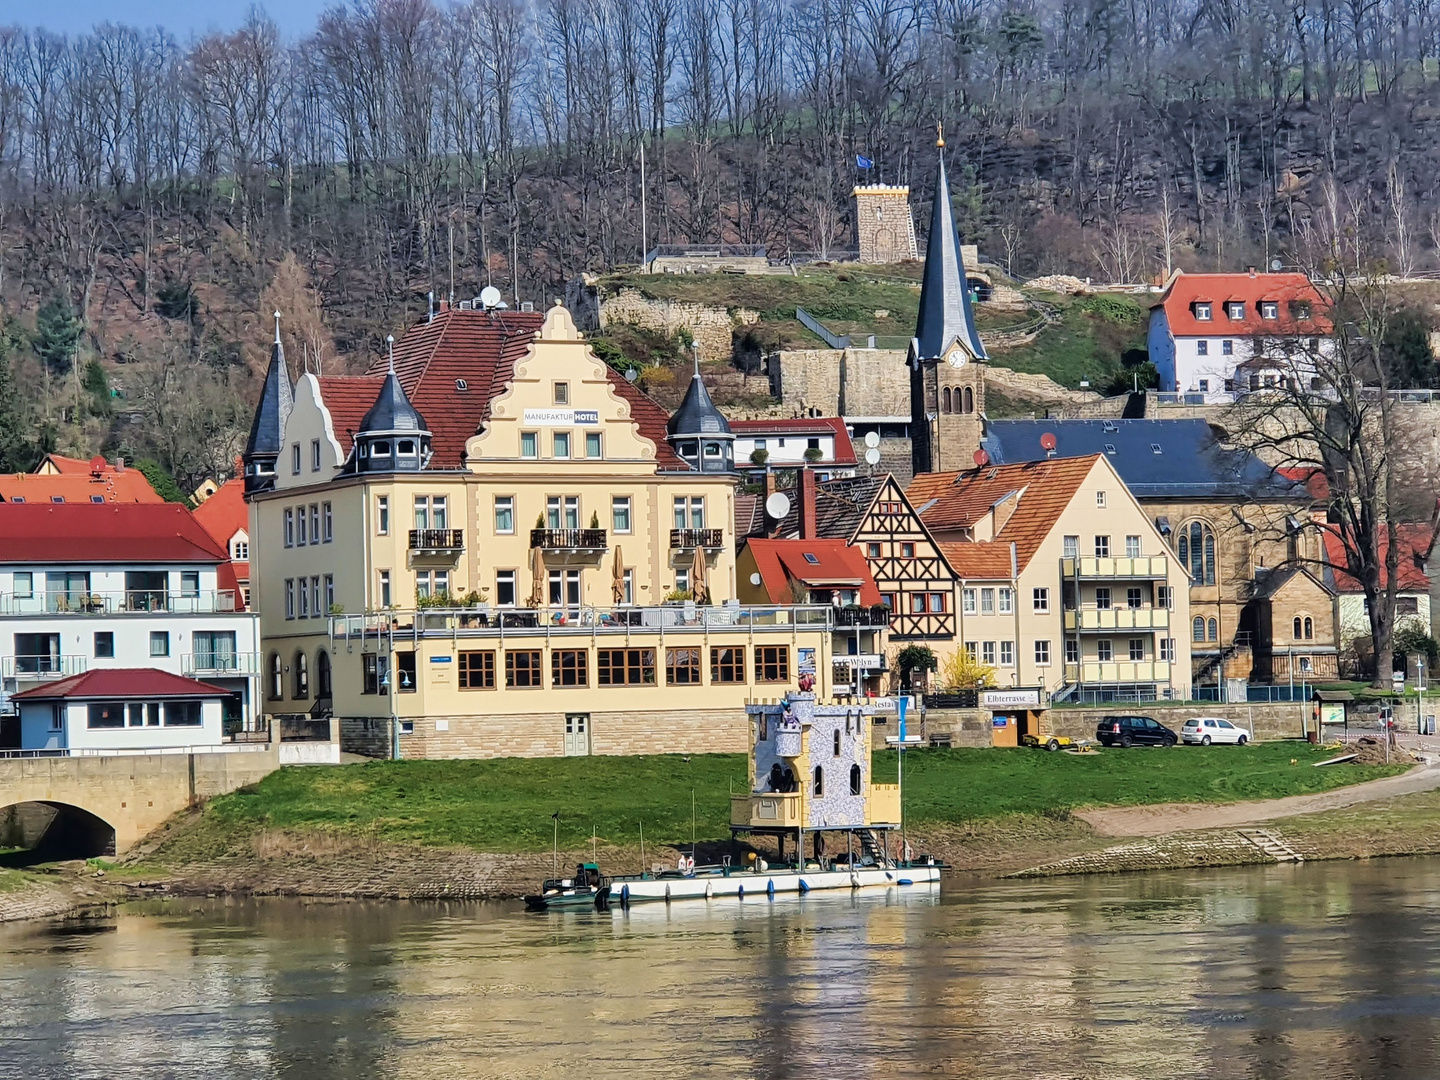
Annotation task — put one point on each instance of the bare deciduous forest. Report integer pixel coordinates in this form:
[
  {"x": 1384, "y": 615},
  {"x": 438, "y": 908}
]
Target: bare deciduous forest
[{"x": 159, "y": 197}]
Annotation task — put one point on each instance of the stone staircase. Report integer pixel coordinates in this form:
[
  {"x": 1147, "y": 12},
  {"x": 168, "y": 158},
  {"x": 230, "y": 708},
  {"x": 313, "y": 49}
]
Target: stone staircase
[{"x": 1271, "y": 845}]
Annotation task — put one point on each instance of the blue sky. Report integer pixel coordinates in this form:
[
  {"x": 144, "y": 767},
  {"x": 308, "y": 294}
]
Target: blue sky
[{"x": 180, "y": 17}]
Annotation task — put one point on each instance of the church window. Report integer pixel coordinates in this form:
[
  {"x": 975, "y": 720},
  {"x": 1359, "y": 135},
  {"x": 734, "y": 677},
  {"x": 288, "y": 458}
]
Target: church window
[
  {"x": 1195, "y": 546},
  {"x": 969, "y": 400},
  {"x": 945, "y": 400}
]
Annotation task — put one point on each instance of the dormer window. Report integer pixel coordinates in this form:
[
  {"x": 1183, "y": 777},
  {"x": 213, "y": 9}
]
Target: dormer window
[
  {"x": 407, "y": 448},
  {"x": 1269, "y": 309},
  {"x": 712, "y": 449},
  {"x": 461, "y": 385},
  {"x": 1202, "y": 311},
  {"x": 688, "y": 449},
  {"x": 811, "y": 559},
  {"x": 1235, "y": 310},
  {"x": 1301, "y": 309},
  {"x": 380, "y": 448}
]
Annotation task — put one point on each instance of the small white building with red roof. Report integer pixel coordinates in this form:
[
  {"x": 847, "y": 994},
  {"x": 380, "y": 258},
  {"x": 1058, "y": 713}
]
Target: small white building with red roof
[
  {"x": 1415, "y": 541},
  {"x": 1221, "y": 334},
  {"x": 122, "y": 711},
  {"x": 821, "y": 442}
]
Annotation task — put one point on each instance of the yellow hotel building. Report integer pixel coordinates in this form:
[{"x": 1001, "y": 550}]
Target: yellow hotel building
[{"x": 485, "y": 548}]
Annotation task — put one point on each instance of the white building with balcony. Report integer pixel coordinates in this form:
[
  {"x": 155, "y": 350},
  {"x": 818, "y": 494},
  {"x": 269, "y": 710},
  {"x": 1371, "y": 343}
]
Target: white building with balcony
[{"x": 123, "y": 586}]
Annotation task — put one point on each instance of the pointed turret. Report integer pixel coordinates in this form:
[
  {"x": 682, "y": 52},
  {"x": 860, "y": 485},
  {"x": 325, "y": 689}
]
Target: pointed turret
[
  {"x": 267, "y": 430},
  {"x": 393, "y": 436},
  {"x": 699, "y": 432},
  {"x": 945, "y": 316}
]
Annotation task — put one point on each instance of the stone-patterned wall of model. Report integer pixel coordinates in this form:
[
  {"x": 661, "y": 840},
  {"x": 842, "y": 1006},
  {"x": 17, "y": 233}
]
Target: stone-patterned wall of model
[{"x": 836, "y": 741}]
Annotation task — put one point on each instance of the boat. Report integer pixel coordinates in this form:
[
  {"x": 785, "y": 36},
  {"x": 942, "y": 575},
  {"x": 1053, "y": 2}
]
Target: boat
[
  {"x": 587, "y": 890},
  {"x": 761, "y": 881}
]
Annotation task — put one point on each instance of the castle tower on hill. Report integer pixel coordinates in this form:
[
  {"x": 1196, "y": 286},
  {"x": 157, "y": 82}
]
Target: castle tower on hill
[
  {"x": 884, "y": 227},
  {"x": 947, "y": 358}
]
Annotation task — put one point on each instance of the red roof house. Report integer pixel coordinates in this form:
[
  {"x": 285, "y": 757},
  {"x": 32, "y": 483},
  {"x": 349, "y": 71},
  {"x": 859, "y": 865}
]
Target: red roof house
[
  {"x": 114, "y": 533},
  {"x": 1415, "y": 542},
  {"x": 815, "y": 565},
  {"x": 61, "y": 479},
  {"x": 116, "y": 684}
]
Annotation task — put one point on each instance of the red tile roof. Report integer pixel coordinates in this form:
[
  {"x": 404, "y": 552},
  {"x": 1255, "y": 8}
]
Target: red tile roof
[
  {"x": 118, "y": 533},
  {"x": 224, "y": 514},
  {"x": 1312, "y": 479},
  {"x": 957, "y": 500},
  {"x": 122, "y": 683},
  {"x": 348, "y": 398},
  {"x": 1415, "y": 541},
  {"x": 989, "y": 559},
  {"x": 836, "y": 565},
  {"x": 1249, "y": 289},
  {"x": 803, "y": 426},
  {"x": 112, "y": 486}
]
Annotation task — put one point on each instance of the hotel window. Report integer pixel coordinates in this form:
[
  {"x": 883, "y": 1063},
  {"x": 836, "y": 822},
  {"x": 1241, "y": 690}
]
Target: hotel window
[
  {"x": 1202, "y": 347},
  {"x": 1132, "y": 598},
  {"x": 1102, "y": 598},
  {"x": 1007, "y": 654},
  {"x": 1137, "y": 648},
  {"x": 504, "y": 515},
  {"x": 907, "y": 551},
  {"x": 1072, "y": 651},
  {"x": 159, "y": 643},
  {"x": 1042, "y": 652},
  {"x": 562, "y": 512},
  {"x": 625, "y": 667},
  {"x": 1103, "y": 651},
  {"x": 384, "y": 588},
  {"x": 1132, "y": 547},
  {"x": 477, "y": 670},
  {"x": 967, "y": 601},
  {"x": 430, "y": 583},
  {"x": 327, "y": 517},
  {"x": 302, "y": 530},
  {"x": 569, "y": 667},
  {"x": 1071, "y": 547},
  {"x": 772, "y": 663},
  {"x": 1007, "y": 601},
  {"x": 592, "y": 444},
  {"x": 620, "y": 513},
  {"x": 564, "y": 587},
  {"x": 529, "y": 444},
  {"x": 329, "y": 593},
  {"x": 627, "y": 586},
  {"x": 314, "y": 455},
  {"x": 1102, "y": 547},
  {"x": 689, "y": 513},
  {"x": 1167, "y": 648},
  {"x": 105, "y": 645},
  {"x": 289, "y": 528},
  {"x": 522, "y": 669},
  {"x": 1040, "y": 600},
  {"x": 382, "y": 515},
  {"x": 560, "y": 443},
  {"x": 295, "y": 459},
  {"x": 505, "y": 588},
  {"x": 682, "y": 667},
  {"x": 727, "y": 665},
  {"x": 431, "y": 512},
  {"x": 562, "y": 393},
  {"x": 289, "y": 598},
  {"x": 987, "y": 601},
  {"x": 987, "y": 653}
]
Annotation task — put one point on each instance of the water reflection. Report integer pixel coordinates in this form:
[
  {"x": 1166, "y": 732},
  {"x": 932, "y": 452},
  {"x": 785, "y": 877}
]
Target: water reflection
[{"x": 1282, "y": 973}]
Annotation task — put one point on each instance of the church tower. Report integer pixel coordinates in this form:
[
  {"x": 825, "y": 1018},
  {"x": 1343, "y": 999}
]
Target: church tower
[
  {"x": 267, "y": 430},
  {"x": 947, "y": 358}
]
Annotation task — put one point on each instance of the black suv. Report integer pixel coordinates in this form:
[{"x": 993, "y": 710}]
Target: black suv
[{"x": 1133, "y": 731}]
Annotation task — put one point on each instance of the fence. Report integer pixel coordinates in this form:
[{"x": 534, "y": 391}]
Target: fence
[
  {"x": 1254, "y": 694},
  {"x": 813, "y": 325}
]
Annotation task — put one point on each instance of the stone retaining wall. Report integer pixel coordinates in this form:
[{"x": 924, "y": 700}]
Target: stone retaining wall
[{"x": 1218, "y": 848}]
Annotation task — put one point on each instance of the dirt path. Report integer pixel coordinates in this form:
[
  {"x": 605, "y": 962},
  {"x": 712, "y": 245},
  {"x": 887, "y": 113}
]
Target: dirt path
[{"x": 1176, "y": 817}]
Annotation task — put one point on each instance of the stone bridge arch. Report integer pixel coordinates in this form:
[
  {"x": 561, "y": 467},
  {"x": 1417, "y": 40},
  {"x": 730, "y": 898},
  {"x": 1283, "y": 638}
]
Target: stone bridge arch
[{"x": 47, "y": 831}]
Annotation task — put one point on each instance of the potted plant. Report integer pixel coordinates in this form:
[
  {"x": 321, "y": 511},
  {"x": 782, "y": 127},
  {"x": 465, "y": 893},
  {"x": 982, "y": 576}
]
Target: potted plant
[{"x": 813, "y": 454}]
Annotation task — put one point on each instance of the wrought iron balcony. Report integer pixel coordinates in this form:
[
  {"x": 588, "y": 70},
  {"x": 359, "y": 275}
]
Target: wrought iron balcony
[
  {"x": 686, "y": 539},
  {"x": 878, "y": 615},
  {"x": 568, "y": 539},
  {"x": 437, "y": 539}
]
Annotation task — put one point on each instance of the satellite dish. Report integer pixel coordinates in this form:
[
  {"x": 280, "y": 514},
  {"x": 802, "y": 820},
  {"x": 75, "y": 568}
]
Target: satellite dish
[
  {"x": 777, "y": 505},
  {"x": 981, "y": 459},
  {"x": 490, "y": 296},
  {"x": 755, "y": 579},
  {"x": 872, "y": 439},
  {"x": 872, "y": 456},
  {"x": 1275, "y": 265},
  {"x": 1048, "y": 441}
]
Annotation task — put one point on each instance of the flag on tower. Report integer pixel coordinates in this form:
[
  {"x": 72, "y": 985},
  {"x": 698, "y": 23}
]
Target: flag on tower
[{"x": 863, "y": 162}]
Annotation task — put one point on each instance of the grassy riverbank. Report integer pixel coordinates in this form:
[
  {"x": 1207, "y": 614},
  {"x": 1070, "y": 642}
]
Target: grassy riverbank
[{"x": 506, "y": 806}]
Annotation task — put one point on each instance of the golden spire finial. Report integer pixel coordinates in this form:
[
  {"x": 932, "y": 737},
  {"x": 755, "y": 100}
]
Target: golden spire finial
[{"x": 939, "y": 133}]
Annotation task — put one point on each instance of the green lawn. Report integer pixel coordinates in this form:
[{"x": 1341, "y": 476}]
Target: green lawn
[{"x": 506, "y": 805}]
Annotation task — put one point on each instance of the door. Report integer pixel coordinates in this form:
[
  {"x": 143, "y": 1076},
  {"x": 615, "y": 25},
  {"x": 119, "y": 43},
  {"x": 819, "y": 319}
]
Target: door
[{"x": 577, "y": 734}]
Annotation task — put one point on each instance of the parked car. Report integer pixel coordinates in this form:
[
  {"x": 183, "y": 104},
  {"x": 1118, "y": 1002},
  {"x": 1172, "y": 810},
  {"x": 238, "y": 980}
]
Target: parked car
[
  {"x": 1204, "y": 730},
  {"x": 1133, "y": 731}
]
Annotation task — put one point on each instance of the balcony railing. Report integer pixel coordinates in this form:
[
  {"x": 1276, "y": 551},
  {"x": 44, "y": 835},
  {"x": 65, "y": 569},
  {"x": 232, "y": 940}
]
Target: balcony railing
[
  {"x": 688, "y": 539},
  {"x": 45, "y": 666},
  {"x": 220, "y": 663},
  {"x": 1117, "y": 619},
  {"x": 1118, "y": 566},
  {"x": 128, "y": 602},
  {"x": 1108, "y": 671},
  {"x": 568, "y": 539},
  {"x": 437, "y": 539},
  {"x": 879, "y": 615},
  {"x": 304, "y": 729}
]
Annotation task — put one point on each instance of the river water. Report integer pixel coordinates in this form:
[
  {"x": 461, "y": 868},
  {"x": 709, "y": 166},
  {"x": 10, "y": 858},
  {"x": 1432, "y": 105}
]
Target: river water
[{"x": 1315, "y": 971}]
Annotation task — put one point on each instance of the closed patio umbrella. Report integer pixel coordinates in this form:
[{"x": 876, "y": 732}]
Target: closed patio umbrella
[
  {"x": 537, "y": 578},
  {"x": 699, "y": 587},
  {"x": 617, "y": 579}
]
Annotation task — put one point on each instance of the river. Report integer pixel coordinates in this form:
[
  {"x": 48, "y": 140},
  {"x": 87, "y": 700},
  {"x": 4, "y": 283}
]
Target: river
[{"x": 1315, "y": 971}]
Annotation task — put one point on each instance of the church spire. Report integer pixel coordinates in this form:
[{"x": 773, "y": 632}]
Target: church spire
[
  {"x": 945, "y": 314},
  {"x": 267, "y": 430}
]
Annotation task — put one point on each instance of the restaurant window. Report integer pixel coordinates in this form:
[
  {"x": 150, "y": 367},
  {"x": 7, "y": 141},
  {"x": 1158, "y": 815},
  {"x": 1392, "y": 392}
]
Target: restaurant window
[
  {"x": 406, "y": 670},
  {"x": 626, "y": 667},
  {"x": 569, "y": 667},
  {"x": 727, "y": 665},
  {"x": 504, "y": 514},
  {"x": 682, "y": 667},
  {"x": 772, "y": 663},
  {"x": 477, "y": 670},
  {"x": 505, "y": 588},
  {"x": 182, "y": 714}
]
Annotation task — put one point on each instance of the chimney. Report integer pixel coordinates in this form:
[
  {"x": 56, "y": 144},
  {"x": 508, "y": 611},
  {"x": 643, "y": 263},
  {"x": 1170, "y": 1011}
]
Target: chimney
[
  {"x": 1251, "y": 269},
  {"x": 119, "y": 464},
  {"x": 805, "y": 492}
]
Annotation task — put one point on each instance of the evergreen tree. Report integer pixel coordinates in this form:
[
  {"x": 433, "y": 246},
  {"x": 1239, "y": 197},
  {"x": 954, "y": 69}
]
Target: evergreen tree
[
  {"x": 161, "y": 480},
  {"x": 57, "y": 332},
  {"x": 98, "y": 387},
  {"x": 17, "y": 452}
]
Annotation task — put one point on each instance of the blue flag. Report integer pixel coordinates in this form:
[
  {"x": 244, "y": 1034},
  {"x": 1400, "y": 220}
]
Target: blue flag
[
  {"x": 863, "y": 162},
  {"x": 900, "y": 704}
]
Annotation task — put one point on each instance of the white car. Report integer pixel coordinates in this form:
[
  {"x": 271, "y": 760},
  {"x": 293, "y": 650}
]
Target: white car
[{"x": 1204, "y": 730}]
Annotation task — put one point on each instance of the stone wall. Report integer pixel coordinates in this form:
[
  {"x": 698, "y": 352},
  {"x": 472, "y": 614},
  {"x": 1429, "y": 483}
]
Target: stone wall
[
  {"x": 711, "y": 328},
  {"x": 841, "y": 382},
  {"x": 1039, "y": 388}
]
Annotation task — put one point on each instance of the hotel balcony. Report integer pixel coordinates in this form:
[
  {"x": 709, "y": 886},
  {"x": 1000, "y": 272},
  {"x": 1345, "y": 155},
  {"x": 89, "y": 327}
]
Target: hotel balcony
[
  {"x": 768, "y": 810},
  {"x": 689, "y": 539},
  {"x": 1140, "y": 567},
  {"x": 131, "y": 602},
  {"x": 437, "y": 541},
  {"x": 1102, "y": 619},
  {"x": 216, "y": 664},
  {"x": 1123, "y": 671},
  {"x": 44, "y": 666},
  {"x": 568, "y": 539}
]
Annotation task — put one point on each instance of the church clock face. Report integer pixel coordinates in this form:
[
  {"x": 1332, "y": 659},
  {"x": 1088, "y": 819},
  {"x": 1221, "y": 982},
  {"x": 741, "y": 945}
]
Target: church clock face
[{"x": 956, "y": 357}]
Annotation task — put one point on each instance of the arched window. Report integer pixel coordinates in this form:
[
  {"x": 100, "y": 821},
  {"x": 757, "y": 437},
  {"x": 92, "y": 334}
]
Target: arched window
[
  {"x": 837, "y": 742},
  {"x": 945, "y": 400},
  {"x": 819, "y": 781},
  {"x": 1309, "y": 628},
  {"x": 302, "y": 678},
  {"x": 969, "y": 400},
  {"x": 1195, "y": 544},
  {"x": 1197, "y": 629},
  {"x": 322, "y": 674},
  {"x": 277, "y": 678},
  {"x": 1298, "y": 634},
  {"x": 854, "y": 779},
  {"x": 1214, "y": 630}
]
